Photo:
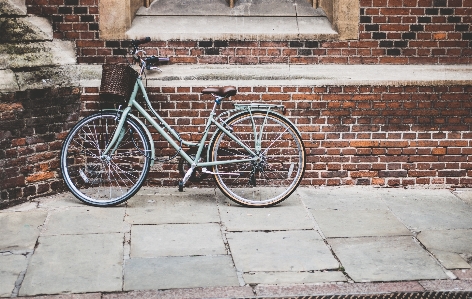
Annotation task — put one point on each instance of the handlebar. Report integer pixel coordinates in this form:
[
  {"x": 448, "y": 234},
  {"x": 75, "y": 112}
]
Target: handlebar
[{"x": 146, "y": 62}]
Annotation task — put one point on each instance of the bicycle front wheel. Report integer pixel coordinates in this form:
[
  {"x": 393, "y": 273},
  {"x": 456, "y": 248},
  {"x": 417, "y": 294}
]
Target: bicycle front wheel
[
  {"x": 105, "y": 180},
  {"x": 280, "y": 159}
]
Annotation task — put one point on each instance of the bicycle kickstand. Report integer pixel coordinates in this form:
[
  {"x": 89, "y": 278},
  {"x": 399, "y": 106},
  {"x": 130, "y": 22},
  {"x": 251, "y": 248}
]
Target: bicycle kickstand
[{"x": 186, "y": 177}]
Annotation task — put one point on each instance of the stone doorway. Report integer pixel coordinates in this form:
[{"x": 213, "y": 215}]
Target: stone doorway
[{"x": 224, "y": 19}]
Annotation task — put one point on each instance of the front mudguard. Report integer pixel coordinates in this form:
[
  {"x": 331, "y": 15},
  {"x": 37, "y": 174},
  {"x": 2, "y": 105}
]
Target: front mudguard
[{"x": 145, "y": 129}]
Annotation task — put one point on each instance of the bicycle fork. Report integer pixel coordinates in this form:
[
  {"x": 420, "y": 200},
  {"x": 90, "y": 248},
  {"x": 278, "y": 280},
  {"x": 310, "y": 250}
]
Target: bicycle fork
[{"x": 118, "y": 135}]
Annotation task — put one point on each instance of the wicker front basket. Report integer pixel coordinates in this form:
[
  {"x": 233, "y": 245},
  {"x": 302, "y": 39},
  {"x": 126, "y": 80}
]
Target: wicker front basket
[{"x": 118, "y": 80}]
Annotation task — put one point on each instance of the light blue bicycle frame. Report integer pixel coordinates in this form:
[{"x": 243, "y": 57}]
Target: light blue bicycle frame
[{"x": 118, "y": 135}]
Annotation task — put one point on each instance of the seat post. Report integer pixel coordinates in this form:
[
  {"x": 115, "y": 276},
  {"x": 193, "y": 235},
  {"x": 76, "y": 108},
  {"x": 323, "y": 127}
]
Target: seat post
[{"x": 218, "y": 101}]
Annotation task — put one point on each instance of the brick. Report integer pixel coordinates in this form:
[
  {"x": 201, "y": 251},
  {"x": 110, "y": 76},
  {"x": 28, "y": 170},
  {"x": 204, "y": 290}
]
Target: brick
[
  {"x": 42, "y": 176},
  {"x": 364, "y": 143},
  {"x": 393, "y": 173},
  {"x": 363, "y": 174},
  {"x": 451, "y": 173}
]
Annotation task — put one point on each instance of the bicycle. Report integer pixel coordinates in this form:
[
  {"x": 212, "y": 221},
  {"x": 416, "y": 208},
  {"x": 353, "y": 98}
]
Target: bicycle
[{"x": 255, "y": 154}]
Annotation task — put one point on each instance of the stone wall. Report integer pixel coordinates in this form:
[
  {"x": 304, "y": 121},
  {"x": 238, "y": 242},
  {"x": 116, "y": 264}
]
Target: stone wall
[
  {"x": 390, "y": 32},
  {"x": 38, "y": 102}
]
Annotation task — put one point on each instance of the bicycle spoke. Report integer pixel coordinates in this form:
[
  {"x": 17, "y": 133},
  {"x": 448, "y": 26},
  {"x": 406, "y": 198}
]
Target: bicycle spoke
[
  {"x": 104, "y": 180},
  {"x": 280, "y": 163}
]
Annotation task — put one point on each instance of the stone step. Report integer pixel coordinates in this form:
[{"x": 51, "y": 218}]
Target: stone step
[
  {"x": 231, "y": 28},
  {"x": 215, "y": 20},
  {"x": 259, "y": 8},
  {"x": 290, "y": 75}
]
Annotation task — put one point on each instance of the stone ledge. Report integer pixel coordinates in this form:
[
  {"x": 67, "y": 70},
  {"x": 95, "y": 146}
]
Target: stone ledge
[
  {"x": 285, "y": 75},
  {"x": 8, "y": 81}
]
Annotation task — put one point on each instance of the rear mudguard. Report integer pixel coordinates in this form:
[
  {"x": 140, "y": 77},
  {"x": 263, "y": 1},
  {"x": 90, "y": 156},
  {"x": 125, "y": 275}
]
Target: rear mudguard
[{"x": 237, "y": 115}]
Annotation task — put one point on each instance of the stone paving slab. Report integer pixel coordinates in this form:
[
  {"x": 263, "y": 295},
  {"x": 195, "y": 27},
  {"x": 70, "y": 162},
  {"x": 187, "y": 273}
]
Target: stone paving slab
[
  {"x": 61, "y": 200},
  {"x": 283, "y": 278},
  {"x": 159, "y": 209},
  {"x": 173, "y": 191},
  {"x": 346, "y": 199},
  {"x": 465, "y": 194},
  {"x": 10, "y": 268},
  {"x": 76, "y": 264},
  {"x": 280, "y": 251},
  {"x": 385, "y": 259},
  {"x": 423, "y": 209},
  {"x": 258, "y": 193},
  {"x": 450, "y": 260},
  {"x": 446, "y": 245},
  {"x": 179, "y": 272},
  {"x": 20, "y": 230},
  {"x": 176, "y": 240},
  {"x": 342, "y": 223},
  {"x": 289, "y": 215},
  {"x": 85, "y": 220}
]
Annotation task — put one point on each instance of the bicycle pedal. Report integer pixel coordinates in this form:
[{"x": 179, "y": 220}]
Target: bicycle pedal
[{"x": 181, "y": 186}]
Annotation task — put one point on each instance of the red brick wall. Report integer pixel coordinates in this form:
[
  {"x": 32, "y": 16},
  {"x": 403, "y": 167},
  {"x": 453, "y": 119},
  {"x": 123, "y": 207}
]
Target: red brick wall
[
  {"x": 32, "y": 126},
  {"x": 390, "y": 32},
  {"x": 368, "y": 135}
]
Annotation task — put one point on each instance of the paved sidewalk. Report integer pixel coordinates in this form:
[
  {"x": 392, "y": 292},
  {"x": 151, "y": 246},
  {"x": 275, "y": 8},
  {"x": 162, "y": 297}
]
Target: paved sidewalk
[{"x": 196, "y": 244}]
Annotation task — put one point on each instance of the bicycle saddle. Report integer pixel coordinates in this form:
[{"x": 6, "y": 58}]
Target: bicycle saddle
[{"x": 225, "y": 91}]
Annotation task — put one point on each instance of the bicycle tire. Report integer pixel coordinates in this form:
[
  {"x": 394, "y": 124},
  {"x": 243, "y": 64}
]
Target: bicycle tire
[
  {"x": 104, "y": 180},
  {"x": 281, "y": 164}
]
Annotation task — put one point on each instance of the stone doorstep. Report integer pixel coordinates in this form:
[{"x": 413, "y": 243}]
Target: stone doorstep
[
  {"x": 231, "y": 28},
  {"x": 207, "y": 8},
  {"x": 294, "y": 75}
]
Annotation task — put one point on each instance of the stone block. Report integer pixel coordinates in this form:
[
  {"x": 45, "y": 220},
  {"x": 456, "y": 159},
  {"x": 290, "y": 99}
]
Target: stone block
[
  {"x": 20, "y": 231},
  {"x": 58, "y": 266},
  {"x": 171, "y": 208},
  {"x": 176, "y": 240},
  {"x": 385, "y": 259},
  {"x": 10, "y": 268},
  {"x": 339, "y": 224},
  {"x": 280, "y": 251},
  {"x": 86, "y": 220},
  {"x": 7, "y": 80},
  {"x": 179, "y": 272}
]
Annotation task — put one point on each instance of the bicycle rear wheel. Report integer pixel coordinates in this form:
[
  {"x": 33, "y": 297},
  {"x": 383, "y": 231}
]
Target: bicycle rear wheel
[
  {"x": 105, "y": 180},
  {"x": 279, "y": 169}
]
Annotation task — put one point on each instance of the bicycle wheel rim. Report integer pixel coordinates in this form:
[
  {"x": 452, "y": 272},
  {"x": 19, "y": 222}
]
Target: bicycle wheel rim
[
  {"x": 277, "y": 176},
  {"x": 104, "y": 181}
]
